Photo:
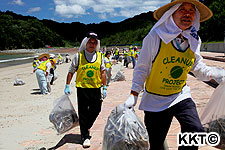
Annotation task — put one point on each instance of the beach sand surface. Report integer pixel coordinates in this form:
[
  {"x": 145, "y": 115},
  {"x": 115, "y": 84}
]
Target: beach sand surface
[{"x": 24, "y": 117}]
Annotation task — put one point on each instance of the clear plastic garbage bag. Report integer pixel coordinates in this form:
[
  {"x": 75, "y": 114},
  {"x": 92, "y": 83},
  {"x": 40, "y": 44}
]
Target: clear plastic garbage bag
[
  {"x": 55, "y": 76},
  {"x": 213, "y": 115},
  {"x": 49, "y": 77},
  {"x": 63, "y": 115},
  {"x": 18, "y": 82},
  {"x": 119, "y": 76},
  {"x": 124, "y": 131}
]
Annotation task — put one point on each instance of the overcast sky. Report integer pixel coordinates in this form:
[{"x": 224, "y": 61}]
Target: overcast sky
[{"x": 84, "y": 11}]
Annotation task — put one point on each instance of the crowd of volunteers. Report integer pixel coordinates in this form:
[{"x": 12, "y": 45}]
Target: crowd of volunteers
[
  {"x": 44, "y": 66},
  {"x": 169, "y": 52}
]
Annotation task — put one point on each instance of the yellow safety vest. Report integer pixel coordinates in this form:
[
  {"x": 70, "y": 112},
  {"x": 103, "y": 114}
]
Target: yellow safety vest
[
  {"x": 53, "y": 66},
  {"x": 108, "y": 65},
  {"x": 35, "y": 62},
  {"x": 169, "y": 70},
  {"x": 125, "y": 54},
  {"x": 42, "y": 66},
  {"x": 130, "y": 53},
  {"x": 134, "y": 54},
  {"x": 88, "y": 74},
  {"x": 117, "y": 52}
]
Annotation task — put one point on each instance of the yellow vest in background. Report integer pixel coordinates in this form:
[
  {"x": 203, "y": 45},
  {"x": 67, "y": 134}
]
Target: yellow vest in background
[
  {"x": 117, "y": 52},
  {"x": 88, "y": 74},
  {"x": 53, "y": 66},
  {"x": 35, "y": 62},
  {"x": 134, "y": 54},
  {"x": 108, "y": 65},
  {"x": 130, "y": 53},
  {"x": 125, "y": 54},
  {"x": 169, "y": 70},
  {"x": 42, "y": 66}
]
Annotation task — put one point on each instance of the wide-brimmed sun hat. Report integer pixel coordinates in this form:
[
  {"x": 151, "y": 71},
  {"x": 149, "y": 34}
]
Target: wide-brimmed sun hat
[
  {"x": 205, "y": 12},
  {"x": 44, "y": 55}
]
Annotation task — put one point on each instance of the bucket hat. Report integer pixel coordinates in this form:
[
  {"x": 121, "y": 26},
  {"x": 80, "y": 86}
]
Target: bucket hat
[
  {"x": 205, "y": 12},
  {"x": 44, "y": 55}
]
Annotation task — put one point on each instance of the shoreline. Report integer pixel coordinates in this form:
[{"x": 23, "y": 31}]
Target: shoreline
[
  {"x": 24, "y": 56},
  {"x": 38, "y": 51}
]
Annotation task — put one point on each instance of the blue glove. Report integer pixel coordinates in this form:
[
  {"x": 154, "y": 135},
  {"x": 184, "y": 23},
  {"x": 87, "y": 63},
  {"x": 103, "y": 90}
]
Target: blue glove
[
  {"x": 104, "y": 92},
  {"x": 67, "y": 89}
]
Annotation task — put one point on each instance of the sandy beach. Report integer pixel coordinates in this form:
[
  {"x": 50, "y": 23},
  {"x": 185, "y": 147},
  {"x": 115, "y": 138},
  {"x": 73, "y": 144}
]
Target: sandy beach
[{"x": 24, "y": 117}]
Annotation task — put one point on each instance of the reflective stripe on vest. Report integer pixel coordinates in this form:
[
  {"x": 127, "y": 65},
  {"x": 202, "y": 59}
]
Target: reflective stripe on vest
[
  {"x": 42, "y": 66},
  {"x": 88, "y": 74},
  {"x": 169, "y": 70}
]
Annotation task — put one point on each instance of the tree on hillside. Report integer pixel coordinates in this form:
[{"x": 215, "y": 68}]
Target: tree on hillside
[{"x": 213, "y": 29}]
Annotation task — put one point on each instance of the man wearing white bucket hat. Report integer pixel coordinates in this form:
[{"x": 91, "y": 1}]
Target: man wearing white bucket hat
[
  {"x": 169, "y": 52},
  {"x": 90, "y": 68}
]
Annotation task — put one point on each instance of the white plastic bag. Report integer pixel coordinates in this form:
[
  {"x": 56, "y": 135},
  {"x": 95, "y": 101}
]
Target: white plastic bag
[
  {"x": 55, "y": 76},
  {"x": 119, "y": 76},
  {"x": 63, "y": 115},
  {"x": 124, "y": 131},
  {"x": 49, "y": 77},
  {"x": 129, "y": 59},
  {"x": 213, "y": 115},
  {"x": 18, "y": 82}
]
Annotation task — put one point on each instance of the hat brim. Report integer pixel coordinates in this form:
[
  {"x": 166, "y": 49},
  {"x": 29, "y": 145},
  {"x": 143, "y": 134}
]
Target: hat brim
[
  {"x": 44, "y": 55},
  {"x": 205, "y": 12}
]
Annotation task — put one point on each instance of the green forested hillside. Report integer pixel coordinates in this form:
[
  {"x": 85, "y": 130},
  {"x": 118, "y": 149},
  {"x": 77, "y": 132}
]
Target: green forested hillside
[
  {"x": 25, "y": 32},
  {"x": 17, "y": 31}
]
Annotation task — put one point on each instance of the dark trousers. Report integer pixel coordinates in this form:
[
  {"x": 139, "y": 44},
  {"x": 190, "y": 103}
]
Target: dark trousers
[
  {"x": 52, "y": 72},
  {"x": 158, "y": 123},
  {"x": 133, "y": 61},
  {"x": 125, "y": 63},
  {"x": 89, "y": 107}
]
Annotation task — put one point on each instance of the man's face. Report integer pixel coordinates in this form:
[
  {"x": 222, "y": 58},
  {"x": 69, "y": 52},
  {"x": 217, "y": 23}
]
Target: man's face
[
  {"x": 184, "y": 16},
  {"x": 91, "y": 45}
]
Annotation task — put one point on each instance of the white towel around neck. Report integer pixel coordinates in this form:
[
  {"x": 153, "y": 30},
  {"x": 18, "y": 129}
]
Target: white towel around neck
[{"x": 168, "y": 30}]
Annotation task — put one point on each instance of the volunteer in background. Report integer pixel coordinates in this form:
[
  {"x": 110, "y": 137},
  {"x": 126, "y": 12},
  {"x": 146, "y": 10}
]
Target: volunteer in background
[
  {"x": 133, "y": 56},
  {"x": 117, "y": 53},
  {"x": 53, "y": 67},
  {"x": 90, "y": 68},
  {"x": 59, "y": 59},
  {"x": 108, "y": 67},
  {"x": 35, "y": 63},
  {"x": 169, "y": 52},
  {"x": 42, "y": 72},
  {"x": 125, "y": 63},
  {"x": 68, "y": 58},
  {"x": 129, "y": 59}
]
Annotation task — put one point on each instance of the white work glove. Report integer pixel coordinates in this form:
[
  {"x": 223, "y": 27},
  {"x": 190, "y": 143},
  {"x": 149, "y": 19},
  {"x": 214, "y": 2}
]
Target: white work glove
[
  {"x": 131, "y": 101},
  {"x": 218, "y": 74}
]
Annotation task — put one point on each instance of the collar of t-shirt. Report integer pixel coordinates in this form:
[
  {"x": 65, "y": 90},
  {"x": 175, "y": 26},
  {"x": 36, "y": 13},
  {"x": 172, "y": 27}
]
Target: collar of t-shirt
[
  {"x": 181, "y": 44},
  {"x": 91, "y": 57}
]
